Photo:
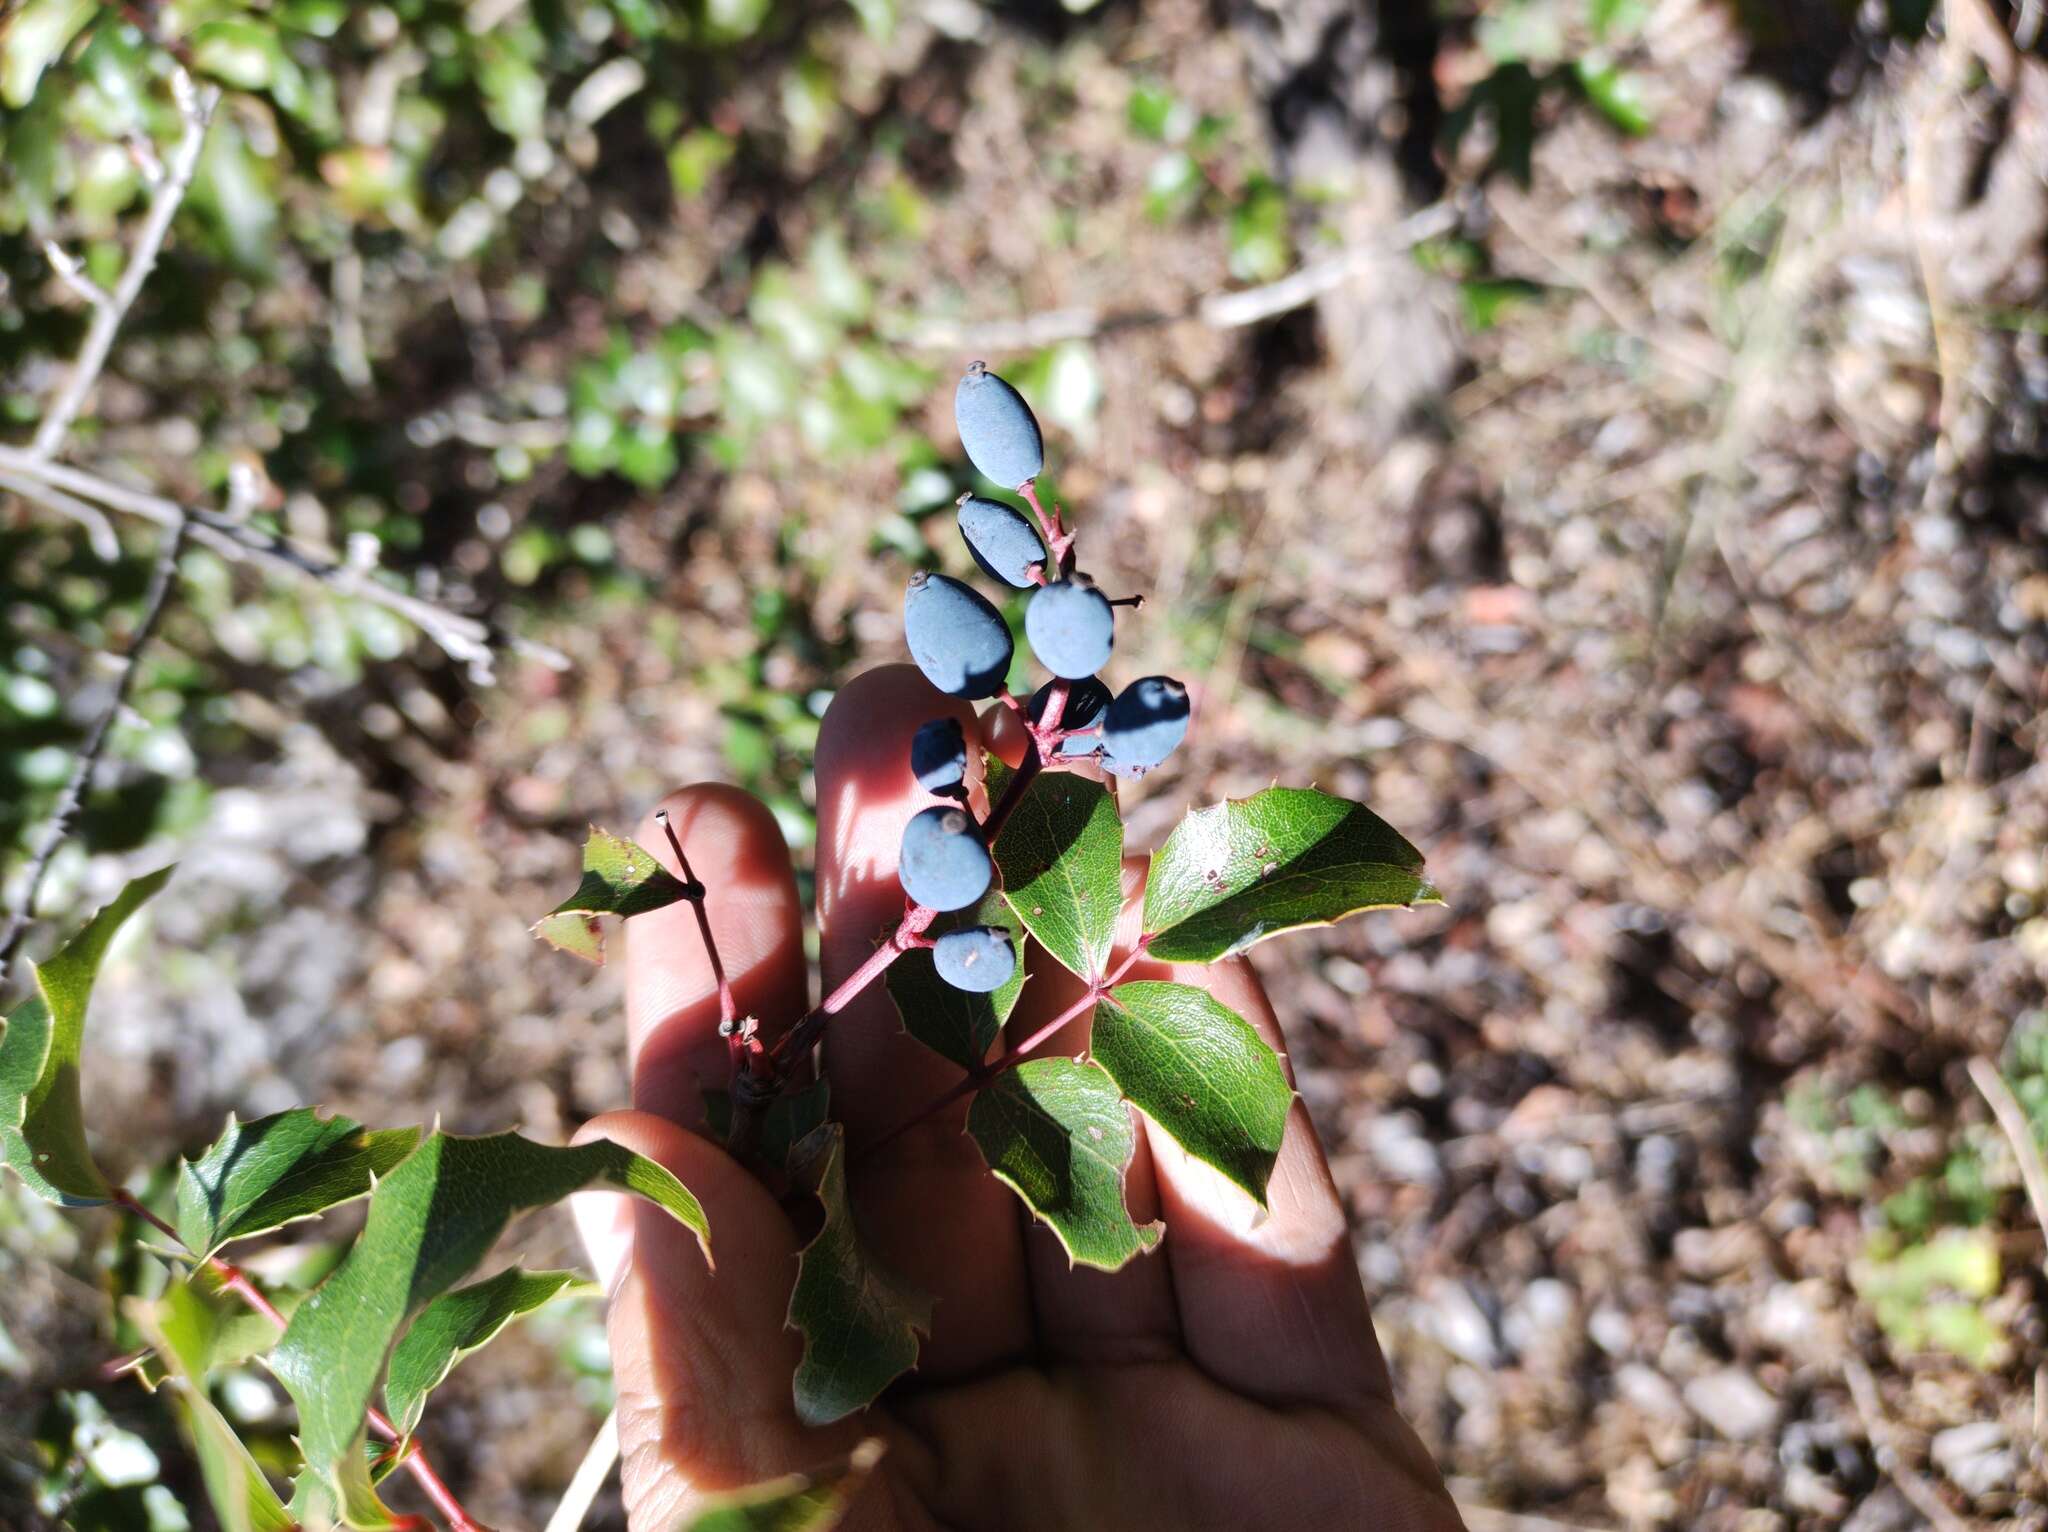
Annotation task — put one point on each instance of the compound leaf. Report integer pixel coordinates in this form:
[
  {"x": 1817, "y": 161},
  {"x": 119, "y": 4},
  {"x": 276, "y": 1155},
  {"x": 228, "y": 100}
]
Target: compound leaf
[
  {"x": 1200, "y": 1071},
  {"x": 798, "y": 1502},
  {"x": 859, "y": 1321},
  {"x": 262, "y": 1175},
  {"x": 951, "y": 1022},
  {"x": 1250, "y": 868},
  {"x": 42, "y": 1125},
  {"x": 459, "y": 1323},
  {"x": 620, "y": 877},
  {"x": 430, "y": 1221},
  {"x": 1061, "y": 854},
  {"x": 1058, "y": 1133}
]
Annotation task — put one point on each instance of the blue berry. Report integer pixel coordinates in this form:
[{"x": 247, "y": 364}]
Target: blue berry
[
  {"x": 1071, "y": 627},
  {"x": 979, "y": 959},
  {"x": 959, "y": 641},
  {"x": 997, "y": 428},
  {"x": 1143, "y": 725},
  {"x": 1002, "y": 541},
  {"x": 938, "y": 755},
  {"x": 943, "y": 862},
  {"x": 1085, "y": 702}
]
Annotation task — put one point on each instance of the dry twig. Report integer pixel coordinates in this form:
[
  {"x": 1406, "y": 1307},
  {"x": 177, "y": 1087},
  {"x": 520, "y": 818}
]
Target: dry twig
[
  {"x": 195, "y": 105},
  {"x": 1218, "y": 310},
  {"x": 72, "y": 799},
  {"x": 2012, "y": 1119}
]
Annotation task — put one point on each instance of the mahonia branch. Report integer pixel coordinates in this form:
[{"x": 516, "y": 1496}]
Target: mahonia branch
[
  {"x": 232, "y": 1278},
  {"x": 978, "y": 1079}
]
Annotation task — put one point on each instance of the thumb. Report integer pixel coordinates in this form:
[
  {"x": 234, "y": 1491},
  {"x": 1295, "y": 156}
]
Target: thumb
[{"x": 701, "y": 1359}]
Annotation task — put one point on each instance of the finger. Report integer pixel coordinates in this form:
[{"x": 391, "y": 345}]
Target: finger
[
  {"x": 924, "y": 1200},
  {"x": 736, "y": 850},
  {"x": 701, "y": 1359},
  {"x": 1270, "y": 1303}
]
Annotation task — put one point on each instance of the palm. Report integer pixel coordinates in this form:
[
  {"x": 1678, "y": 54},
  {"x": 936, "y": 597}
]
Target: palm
[{"x": 1229, "y": 1379}]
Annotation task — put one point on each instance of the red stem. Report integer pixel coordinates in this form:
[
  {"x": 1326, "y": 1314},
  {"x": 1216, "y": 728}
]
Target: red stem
[
  {"x": 1021, "y": 1054},
  {"x": 728, "y": 1011},
  {"x": 236, "y": 1281},
  {"x": 1058, "y": 541}
]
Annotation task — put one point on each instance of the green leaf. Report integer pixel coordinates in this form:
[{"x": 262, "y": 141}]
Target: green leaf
[
  {"x": 1061, "y": 855},
  {"x": 243, "y": 1499},
  {"x": 800, "y": 1502},
  {"x": 262, "y": 1175},
  {"x": 42, "y": 1125},
  {"x": 949, "y": 1021},
  {"x": 1617, "y": 93},
  {"x": 32, "y": 39},
  {"x": 1200, "y": 1071},
  {"x": 459, "y": 1323},
  {"x": 790, "y": 1118},
  {"x": 430, "y": 1221},
  {"x": 210, "y": 1332},
  {"x": 859, "y": 1321},
  {"x": 1235, "y": 874},
  {"x": 619, "y": 878},
  {"x": 1058, "y": 1133}
]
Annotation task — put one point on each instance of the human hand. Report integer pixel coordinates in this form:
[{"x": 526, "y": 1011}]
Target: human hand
[{"x": 1229, "y": 1379}]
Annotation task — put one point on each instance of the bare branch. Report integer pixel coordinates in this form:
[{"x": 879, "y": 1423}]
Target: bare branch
[
  {"x": 99, "y": 531},
  {"x": 196, "y": 105},
  {"x": 73, "y": 276},
  {"x": 462, "y": 638},
  {"x": 72, "y": 799},
  {"x": 590, "y": 1475},
  {"x": 1218, "y": 310}
]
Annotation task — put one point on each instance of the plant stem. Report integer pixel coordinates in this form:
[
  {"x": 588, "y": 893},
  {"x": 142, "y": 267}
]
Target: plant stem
[
  {"x": 195, "y": 107},
  {"x": 1021, "y": 1054},
  {"x": 235, "y": 1280},
  {"x": 162, "y": 576},
  {"x": 728, "y": 1009}
]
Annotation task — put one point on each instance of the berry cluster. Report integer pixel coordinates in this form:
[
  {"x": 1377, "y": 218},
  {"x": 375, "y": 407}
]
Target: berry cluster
[{"x": 963, "y": 646}]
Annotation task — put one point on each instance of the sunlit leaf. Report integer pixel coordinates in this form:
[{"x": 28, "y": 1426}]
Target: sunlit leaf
[
  {"x": 430, "y": 1221},
  {"x": 1200, "y": 1071},
  {"x": 1061, "y": 856},
  {"x": 261, "y": 1175},
  {"x": 1250, "y": 868},
  {"x": 456, "y": 1324},
  {"x": 619, "y": 878},
  {"x": 42, "y": 1125},
  {"x": 1059, "y": 1134}
]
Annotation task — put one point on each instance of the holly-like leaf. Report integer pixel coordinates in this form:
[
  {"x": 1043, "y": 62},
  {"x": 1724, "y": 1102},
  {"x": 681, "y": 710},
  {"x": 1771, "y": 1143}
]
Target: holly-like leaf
[
  {"x": 798, "y": 1502},
  {"x": 466, "y": 1320},
  {"x": 859, "y": 1321},
  {"x": 1199, "y": 1070},
  {"x": 1059, "y": 1134},
  {"x": 178, "y": 1328},
  {"x": 262, "y": 1175},
  {"x": 620, "y": 877},
  {"x": 430, "y": 1221},
  {"x": 1061, "y": 854},
  {"x": 1235, "y": 874},
  {"x": 42, "y": 1125},
  {"x": 788, "y": 1121},
  {"x": 951, "y": 1022}
]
